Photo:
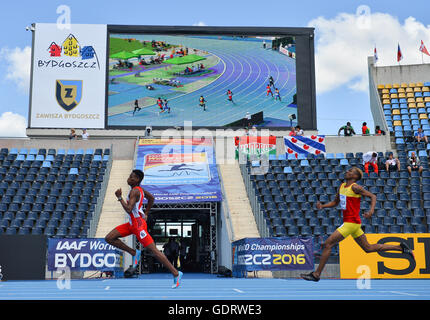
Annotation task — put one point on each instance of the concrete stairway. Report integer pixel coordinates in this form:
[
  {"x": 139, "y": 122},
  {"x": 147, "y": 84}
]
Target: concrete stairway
[
  {"x": 112, "y": 212},
  {"x": 242, "y": 218}
]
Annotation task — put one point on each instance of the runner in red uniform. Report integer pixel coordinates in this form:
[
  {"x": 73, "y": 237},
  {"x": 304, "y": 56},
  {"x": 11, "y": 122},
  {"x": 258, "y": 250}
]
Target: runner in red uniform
[
  {"x": 229, "y": 95},
  {"x": 349, "y": 198},
  {"x": 269, "y": 90},
  {"x": 137, "y": 224},
  {"x": 160, "y": 103}
]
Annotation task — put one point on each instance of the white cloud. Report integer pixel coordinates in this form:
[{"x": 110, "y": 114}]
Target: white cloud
[
  {"x": 344, "y": 43},
  {"x": 200, "y": 24},
  {"x": 18, "y": 65},
  {"x": 12, "y": 125}
]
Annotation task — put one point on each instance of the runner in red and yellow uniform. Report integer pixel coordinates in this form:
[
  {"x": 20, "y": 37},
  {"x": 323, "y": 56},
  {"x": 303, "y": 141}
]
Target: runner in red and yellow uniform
[
  {"x": 137, "y": 225},
  {"x": 349, "y": 198}
]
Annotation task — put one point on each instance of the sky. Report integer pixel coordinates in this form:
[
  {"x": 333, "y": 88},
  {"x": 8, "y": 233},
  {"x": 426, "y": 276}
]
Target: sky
[{"x": 346, "y": 32}]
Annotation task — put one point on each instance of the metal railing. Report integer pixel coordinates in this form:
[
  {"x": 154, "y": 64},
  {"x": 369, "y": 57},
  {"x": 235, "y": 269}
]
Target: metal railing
[
  {"x": 262, "y": 227},
  {"x": 226, "y": 210},
  {"x": 100, "y": 200}
]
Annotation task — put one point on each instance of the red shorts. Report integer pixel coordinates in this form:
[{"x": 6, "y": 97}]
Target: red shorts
[{"x": 139, "y": 230}]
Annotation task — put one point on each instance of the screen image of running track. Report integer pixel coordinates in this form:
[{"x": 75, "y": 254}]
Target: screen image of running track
[{"x": 211, "y": 80}]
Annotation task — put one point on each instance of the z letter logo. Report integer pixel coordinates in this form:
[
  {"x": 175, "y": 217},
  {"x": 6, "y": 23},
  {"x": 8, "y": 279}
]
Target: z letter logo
[{"x": 68, "y": 93}]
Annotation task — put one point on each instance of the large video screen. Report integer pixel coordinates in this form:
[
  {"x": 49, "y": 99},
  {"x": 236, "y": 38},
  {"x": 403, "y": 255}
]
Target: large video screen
[{"x": 212, "y": 80}]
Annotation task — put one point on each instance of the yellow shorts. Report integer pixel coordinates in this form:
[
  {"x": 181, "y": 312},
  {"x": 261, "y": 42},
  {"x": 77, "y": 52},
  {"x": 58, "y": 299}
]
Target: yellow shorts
[{"x": 349, "y": 228}]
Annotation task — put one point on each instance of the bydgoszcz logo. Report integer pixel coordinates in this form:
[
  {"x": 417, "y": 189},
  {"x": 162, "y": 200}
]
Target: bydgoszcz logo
[
  {"x": 68, "y": 93},
  {"x": 75, "y": 55}
]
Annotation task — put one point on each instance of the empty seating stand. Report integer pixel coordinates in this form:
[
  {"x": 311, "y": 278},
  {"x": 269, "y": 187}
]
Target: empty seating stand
[
  {"x": 51, "y": 192},
  {"x": 288, "y": 192}
]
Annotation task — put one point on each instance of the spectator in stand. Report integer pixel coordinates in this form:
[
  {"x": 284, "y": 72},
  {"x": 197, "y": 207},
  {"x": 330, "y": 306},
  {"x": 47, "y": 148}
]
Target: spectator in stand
[
  {"x": 414, "y": 164},
  {"x": 253, "y": 132},
  {"x": 378, "y": 131},
  {"x": 299, "y": 131},
  {"x": 392, "y": 163},
  {"x": 72, "y": 135},
  {"x": 85, "y": 134},
  {"x": 292, "y": 132},
  {"x": 365, "y": 130},
  {"x": 420, "y": 136},
  {"x": 247, "y": 119},
  {"x": 370, "y": 158},
  {"x": 348, "y": 130}
]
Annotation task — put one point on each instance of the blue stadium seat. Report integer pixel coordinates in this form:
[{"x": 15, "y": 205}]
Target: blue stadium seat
[{"x": 421, "y": 229}]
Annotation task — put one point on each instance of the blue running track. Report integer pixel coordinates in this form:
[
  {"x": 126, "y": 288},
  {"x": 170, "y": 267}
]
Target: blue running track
[{"x": 209, "y": 287}]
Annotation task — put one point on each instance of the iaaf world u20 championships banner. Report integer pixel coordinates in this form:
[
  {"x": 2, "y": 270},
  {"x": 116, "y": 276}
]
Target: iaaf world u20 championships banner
[
  {"x": 83, "y": 255},
  {"x": 273, "y": 254},
  {"x": 296, "y": 145},
  {"x": 179, "y": 170}
]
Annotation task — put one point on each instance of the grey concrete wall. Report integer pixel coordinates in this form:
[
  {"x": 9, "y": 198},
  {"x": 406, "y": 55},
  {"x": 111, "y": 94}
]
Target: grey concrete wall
[
  {"x": 354, "y": 144},
  {"x": 341, "y": 144},
  {"x": 375, "y": 101},
  {"x": 123, "y": 148},
  {"x": 124, "y": 133},
  {"x": 402, "y": 73}
]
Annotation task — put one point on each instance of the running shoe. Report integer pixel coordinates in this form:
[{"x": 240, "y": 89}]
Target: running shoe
[
  {"x": 136, "y": 258},
  {"x": 406, "y": 249},
  {"x": 309, "y": 277},
  {"x": 177, "y": 280}
]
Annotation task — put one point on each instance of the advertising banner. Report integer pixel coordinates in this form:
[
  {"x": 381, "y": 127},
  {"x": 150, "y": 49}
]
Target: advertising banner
[
  {"x": 273, "y": 254},
  {"x": 83, "y": 255},
  {"x": 250, "y": 145},
  {"x": 355, "y": 263},
  {"x": 179, "y": 170},
  {"x": 295, "y": 145},
  {"x": 68, "y": 76}
]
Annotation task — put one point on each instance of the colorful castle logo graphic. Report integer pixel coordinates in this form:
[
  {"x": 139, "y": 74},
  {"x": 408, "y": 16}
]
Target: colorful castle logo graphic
[{"x": 71, "y": 48}]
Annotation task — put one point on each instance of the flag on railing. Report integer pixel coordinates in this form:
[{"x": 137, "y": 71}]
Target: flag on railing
[
  {"x": 399, "y": 53},
  {"x": 296, "y": 145},
  {"x": 423, "y": 49}
]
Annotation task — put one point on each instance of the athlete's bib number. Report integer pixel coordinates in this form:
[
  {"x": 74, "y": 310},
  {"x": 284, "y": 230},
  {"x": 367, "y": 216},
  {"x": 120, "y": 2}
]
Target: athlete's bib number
[
  {"x": 142, "y": 234},
  {"x": 342, "y": 201}
]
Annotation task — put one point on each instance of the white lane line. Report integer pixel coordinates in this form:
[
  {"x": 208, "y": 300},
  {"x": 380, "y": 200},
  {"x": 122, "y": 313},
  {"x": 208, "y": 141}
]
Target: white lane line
[
  {"x": 237, "y": 290},
  {"x": 402, "y": 293}
]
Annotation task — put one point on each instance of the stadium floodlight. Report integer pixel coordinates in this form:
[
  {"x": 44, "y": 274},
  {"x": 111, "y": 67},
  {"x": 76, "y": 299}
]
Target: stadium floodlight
[
  {"x": 292, "y": 117},
  {"x": 30, "y": 28}
]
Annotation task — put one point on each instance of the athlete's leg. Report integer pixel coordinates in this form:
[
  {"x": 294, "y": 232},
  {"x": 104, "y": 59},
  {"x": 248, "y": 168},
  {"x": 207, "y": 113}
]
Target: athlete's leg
[
  {"x": 367, "y": 247},
  {"x": 162, "y": 258},
  {"x": 331, "y": 241},
  {"x": 113, "y": 239}
]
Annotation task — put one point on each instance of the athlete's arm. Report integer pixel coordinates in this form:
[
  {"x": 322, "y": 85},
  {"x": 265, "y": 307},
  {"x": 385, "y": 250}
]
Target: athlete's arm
[
  {"x": 330, "y": 204},
  {"x": 150, "y": 199},
  {"x": 133, "y": 198},
  {"x": 360, "y": 190}
]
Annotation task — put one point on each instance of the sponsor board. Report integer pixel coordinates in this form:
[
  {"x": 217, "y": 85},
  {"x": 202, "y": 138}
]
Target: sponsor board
[
  {"x": 388, "y": 264},
  {"x": 68, "y": 76},
  {"x": 272, "y": 254},
  {"x": 83, "y": 254},
  {"x": 179, "y": 170}
]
